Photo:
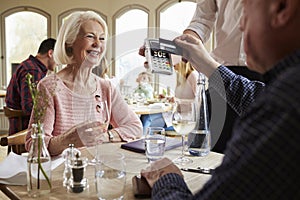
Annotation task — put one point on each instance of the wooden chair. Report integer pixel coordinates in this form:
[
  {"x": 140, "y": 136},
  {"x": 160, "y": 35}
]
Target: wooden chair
[{"x": 15, "y": 142}]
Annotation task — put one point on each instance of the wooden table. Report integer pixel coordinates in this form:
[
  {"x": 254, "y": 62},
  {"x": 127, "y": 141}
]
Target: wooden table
[
  {"x": 2, "y": 99},
  {"x": 134, "y": 163},
  {"x": 2, "y": 93}
]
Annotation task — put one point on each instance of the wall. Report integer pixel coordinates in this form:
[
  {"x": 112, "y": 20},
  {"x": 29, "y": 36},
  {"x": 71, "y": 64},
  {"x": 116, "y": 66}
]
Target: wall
[
  {"x": 109, "y": 8},
  {"x": 56, "y": 7}
]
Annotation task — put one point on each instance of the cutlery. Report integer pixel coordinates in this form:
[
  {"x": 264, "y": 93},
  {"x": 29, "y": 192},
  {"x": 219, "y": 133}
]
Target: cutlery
[{"x": 199, "y": 170}]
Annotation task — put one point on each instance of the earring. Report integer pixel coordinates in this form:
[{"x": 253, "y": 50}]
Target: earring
[{"x": 69, "y": 51}]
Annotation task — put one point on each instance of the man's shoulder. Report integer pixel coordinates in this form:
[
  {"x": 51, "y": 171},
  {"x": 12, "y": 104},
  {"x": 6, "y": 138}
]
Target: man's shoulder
[
  {"x": 288, "y": 79},
  {"x": 284, "y": 91},
  {"x": 27, "y": 65}
]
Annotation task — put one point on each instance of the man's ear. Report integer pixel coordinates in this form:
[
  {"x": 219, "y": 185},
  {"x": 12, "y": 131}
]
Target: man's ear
[
  {"x": 50, "y": 53},
  {"x": 282, "y": 12}
]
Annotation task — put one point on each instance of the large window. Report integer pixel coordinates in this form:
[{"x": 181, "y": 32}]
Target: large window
[
  {"x": 175, "y": 18},
  {"x": 24, "y": 31},
  {"x": 131, "y": 29},
  {"x": 173, "y": 21}
]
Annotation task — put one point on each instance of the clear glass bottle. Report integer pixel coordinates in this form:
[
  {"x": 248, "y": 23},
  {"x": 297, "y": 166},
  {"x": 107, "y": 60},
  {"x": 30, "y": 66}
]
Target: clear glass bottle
[
  {"x": 38, "y": 164},
  {"x": 199, "y": 140}
]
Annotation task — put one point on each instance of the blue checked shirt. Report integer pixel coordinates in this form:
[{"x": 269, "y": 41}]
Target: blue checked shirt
[{"x": 261, "y": 159}]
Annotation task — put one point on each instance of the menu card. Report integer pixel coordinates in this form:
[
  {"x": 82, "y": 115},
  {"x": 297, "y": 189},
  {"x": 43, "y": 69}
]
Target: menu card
[
  {"x": 14, "y": 168},
  {"x": 139, "y": 145}
]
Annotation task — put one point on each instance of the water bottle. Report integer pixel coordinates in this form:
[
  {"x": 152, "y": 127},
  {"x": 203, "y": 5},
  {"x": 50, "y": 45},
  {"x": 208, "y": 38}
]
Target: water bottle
[{"x": 199, "y": 140}]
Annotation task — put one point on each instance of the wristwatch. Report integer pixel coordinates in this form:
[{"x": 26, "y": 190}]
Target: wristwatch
[{"x": 110, "y": 136}]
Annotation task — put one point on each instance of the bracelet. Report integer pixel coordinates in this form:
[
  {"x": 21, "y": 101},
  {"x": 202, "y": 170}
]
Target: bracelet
[{"x": 110, "y": 136}]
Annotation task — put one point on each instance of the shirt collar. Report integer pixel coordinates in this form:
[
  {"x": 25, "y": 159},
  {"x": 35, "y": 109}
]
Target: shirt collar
[
  {"x": 289, "y": 61},
  {"x": 39, "y": 63}
]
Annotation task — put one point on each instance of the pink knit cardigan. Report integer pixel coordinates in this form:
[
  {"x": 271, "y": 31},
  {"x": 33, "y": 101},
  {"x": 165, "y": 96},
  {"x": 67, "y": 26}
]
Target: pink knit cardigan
[{"x": 67, "y": 109}]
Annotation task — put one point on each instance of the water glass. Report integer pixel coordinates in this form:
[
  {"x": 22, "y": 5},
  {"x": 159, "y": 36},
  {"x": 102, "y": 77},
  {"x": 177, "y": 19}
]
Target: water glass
[
  {"x": 110, "y": 176},
  {"x": 155, "y": 141}
]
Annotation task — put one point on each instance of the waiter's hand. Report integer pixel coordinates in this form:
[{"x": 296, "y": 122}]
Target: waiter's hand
[{"x": 142, "y": 50}]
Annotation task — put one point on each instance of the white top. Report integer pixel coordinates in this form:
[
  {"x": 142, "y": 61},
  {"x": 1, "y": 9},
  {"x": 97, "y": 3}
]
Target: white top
[
  {"x": 225, "y": 15},
  {"x": 187, "y": 89}
]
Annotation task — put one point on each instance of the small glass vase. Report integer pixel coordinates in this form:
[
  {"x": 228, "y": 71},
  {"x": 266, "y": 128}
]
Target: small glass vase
[{"x": 38, "y": 164}]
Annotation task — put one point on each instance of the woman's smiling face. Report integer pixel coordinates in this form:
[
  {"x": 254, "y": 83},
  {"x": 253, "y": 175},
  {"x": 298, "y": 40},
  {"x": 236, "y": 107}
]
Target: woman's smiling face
[{"x": 89, "y": 44}]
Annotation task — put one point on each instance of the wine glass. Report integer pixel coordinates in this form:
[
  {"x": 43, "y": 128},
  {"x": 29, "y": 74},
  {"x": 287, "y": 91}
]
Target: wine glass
[
  {"x": 184, "y": 121},
  {"x": 102, "y": 115}
]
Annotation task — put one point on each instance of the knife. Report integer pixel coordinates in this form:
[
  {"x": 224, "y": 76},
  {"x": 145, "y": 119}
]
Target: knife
[{"x": 198, "y": 170}]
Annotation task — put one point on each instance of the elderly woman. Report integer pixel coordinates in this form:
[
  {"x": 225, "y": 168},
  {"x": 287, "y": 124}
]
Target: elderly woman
[{"x": 74, "y": 93}]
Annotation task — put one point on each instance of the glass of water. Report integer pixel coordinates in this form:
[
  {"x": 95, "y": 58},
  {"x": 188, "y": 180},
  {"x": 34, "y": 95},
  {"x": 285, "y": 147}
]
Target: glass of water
[
  {"x": 110, "y": 176},
  {"x": 155, "y": 141}
]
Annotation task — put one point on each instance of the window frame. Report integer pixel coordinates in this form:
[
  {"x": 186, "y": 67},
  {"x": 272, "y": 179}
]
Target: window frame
[
  {"x": 163, "y": 7},
  {"x": 7, "y": 13},
  {"x": 117, "y": 15}
]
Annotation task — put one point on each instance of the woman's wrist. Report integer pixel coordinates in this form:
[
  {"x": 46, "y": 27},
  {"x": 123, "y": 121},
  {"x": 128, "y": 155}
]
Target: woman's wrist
[{"x": 113, "y": 136}]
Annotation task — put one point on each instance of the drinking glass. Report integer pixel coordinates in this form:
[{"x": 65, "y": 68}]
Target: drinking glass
[
  {"x": 155, "y": 141},
  {"x": 110, "y": 176},
  {"x": 184, "y": 121},
  {"x": 103, "y": 117}
]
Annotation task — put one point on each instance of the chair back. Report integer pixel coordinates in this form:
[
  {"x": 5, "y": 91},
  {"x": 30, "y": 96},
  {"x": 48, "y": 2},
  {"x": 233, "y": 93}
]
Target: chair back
[
  {"x": 14, "y": 113},
  {"x": 16, "y": 140}
]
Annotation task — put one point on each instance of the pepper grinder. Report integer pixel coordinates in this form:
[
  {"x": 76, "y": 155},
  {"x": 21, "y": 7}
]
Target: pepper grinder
[
  {"x": 68, "y": 154},
  {"x": 78, "y": 182}
]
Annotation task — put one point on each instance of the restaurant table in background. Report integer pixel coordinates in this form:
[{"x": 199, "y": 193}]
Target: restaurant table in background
[
  {"x": 151, "y": 108},
  {"x": 2, "y": 98},
  {"x": 134, "y": 163},
  {"x": 2, "y": 93}
]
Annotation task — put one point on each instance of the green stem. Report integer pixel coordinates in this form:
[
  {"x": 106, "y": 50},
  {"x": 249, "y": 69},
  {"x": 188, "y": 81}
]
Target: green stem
[
  {"x": 39, "y": 158},
  {"x": 40, "y": 167}
]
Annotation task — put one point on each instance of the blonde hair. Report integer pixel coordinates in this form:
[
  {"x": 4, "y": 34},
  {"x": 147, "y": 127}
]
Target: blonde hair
[
  {"x": 69, "y": 31},
  {"x": 184, "y": 70},
  {"x": 104, "y": 65}
]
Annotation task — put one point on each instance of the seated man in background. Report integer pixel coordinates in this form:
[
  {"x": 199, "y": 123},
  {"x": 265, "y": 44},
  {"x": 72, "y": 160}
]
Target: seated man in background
[
  {"x": 18, "y": 95},
  {"x": 260, "y": 161}
]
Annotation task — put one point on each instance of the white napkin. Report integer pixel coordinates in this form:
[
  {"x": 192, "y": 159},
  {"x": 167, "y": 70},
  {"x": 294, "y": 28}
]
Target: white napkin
[
  {"x": 157, "y": 106},
  {"x": 14, "y": 168}
]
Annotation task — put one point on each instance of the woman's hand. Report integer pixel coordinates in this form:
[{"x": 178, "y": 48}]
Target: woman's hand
[
  {"x": 84, "y": 134},
  {"x": 91, "y": 133}
]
